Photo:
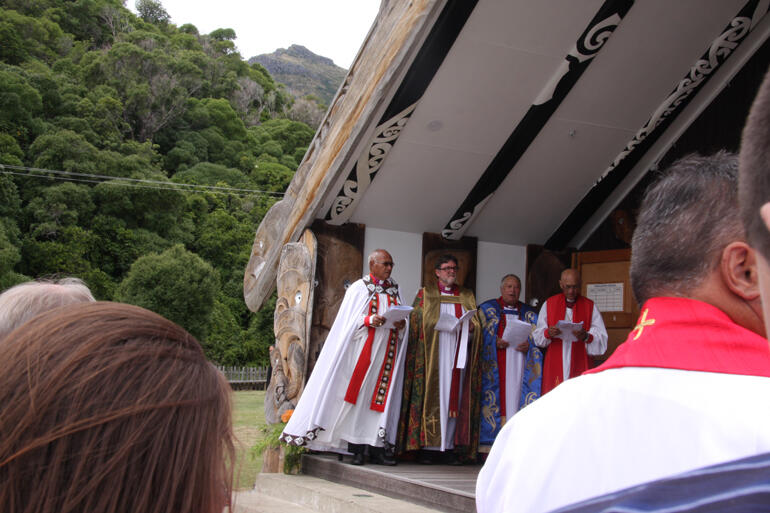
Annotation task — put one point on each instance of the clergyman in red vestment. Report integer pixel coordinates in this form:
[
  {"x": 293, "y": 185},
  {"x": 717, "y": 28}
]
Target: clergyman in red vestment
[{"x": 565, "y": 359}]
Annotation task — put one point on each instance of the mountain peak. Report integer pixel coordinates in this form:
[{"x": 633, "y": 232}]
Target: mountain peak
[
  {"x": 301, "y": 52},
  {"x": 303, "y": 72}
]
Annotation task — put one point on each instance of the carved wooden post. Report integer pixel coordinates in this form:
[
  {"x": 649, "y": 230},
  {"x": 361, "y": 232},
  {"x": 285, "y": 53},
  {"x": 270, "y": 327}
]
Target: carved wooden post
[{"x": 293, "y": 312}]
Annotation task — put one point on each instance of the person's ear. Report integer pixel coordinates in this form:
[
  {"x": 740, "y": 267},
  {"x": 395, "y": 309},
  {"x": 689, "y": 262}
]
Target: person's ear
[{"x": 739, "y": 270}]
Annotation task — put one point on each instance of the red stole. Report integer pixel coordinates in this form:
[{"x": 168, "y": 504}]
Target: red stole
[
  {"x": 501, "y": 353},
  {"x": 686, "y": 334},
  {"x": 365, "y": 357},
  {"x": 553, "y": 372}
]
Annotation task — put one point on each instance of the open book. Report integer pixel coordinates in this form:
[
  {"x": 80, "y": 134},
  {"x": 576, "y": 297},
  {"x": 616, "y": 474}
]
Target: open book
[
  {"x": 394, "y": 314},
  {"x": 516, "y": 332},
  {"x": 448, "y": 322},
  {"x": 566, "y": 335}
]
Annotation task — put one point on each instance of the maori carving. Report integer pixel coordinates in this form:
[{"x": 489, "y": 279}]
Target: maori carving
[
  {"x": 718, "y": 52},
  {"x": 338, "y": 265},
  {"x": 587, "y": 46},
  {"x": 293, "y": 311},
  {"x": 367, "y": 166},
  {"x": 585, "y": 49},
  {"x": 257, "y": 280},
  {"x": 456, "y": 227}
]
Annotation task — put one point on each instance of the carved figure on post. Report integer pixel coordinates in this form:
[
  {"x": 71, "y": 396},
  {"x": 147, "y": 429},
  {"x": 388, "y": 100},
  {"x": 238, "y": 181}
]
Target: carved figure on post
[{"x": 293, "y": 311}]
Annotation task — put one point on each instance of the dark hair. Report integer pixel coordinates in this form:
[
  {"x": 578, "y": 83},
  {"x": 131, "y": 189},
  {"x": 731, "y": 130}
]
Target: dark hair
[
  {"x": 109, "y": 407},
  {"x": 687, "y": 218},
  {"x": 754, "y": 189},
  {"x": 443, "y": 259}
]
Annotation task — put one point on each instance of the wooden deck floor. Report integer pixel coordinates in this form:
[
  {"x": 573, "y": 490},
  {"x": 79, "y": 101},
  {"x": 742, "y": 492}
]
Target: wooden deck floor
[{"x": 442, "y": 487}]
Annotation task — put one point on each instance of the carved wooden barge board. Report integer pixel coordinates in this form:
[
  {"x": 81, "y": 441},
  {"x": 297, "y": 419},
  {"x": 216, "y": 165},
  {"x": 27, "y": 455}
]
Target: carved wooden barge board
[{"x": 374, "y": 77}]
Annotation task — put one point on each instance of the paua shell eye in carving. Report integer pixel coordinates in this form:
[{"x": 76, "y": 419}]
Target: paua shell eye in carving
[{"x": 297, "y": 297}]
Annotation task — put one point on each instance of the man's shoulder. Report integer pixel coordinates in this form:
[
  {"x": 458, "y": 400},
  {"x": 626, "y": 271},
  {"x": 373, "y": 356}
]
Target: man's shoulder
[
  {"x": 357, "y": 288},
  {"x": 465, "y": 291},
  {"x": 489, "y": 303}
]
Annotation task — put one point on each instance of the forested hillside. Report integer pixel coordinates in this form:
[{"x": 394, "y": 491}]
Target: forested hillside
[{"x": 140, "y": 156}]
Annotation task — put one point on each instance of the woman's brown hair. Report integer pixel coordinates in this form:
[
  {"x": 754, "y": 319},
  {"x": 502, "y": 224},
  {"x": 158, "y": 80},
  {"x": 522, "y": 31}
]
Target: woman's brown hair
[{"x": 107, "y": 407}]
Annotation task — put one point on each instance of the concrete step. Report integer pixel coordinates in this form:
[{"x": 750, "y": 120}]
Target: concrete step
[
  {"x": 302, "y": 493},
  {"x": 442, "y": 487}
]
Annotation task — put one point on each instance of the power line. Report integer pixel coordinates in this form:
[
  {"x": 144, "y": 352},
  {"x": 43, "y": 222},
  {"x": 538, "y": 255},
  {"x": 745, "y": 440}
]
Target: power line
[{"x": 69, "y": 176}]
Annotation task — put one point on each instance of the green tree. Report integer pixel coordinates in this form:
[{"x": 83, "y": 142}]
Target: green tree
[
  {"x": 176, "y": 284},
  {"x": 20, "y": 105},
  {"x": 152, "y": 11}
]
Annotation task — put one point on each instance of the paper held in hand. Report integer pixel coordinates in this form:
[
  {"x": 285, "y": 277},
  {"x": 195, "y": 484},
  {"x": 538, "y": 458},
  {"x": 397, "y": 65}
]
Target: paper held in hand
[
  {"x": 448, "y": 322},
  {"x": 394, "y": 314},
  {"x": 516, "y": 331},
  {"x": 567, "y": 328}
]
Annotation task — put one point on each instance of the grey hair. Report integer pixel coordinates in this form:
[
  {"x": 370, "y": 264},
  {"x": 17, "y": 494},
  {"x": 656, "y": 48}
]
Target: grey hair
[
  {"x": 687, "y": 218},
  {"x": 373, "y": 255},
  {"x": 510, "y": 276},
  {"x": 21, "y": 302}
]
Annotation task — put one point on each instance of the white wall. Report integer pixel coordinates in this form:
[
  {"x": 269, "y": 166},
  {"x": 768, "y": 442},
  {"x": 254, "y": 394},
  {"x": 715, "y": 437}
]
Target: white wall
[
  {"x": 406, "y": 250},
  {"x": 493, "y": 261}
]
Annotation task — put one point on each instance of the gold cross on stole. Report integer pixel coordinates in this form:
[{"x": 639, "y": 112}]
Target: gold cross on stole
[
  {"x": 431, "y": 425},
  {"x": 643, "y": 323}
]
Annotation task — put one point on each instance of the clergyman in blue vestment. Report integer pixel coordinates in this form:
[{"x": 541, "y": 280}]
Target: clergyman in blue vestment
[{"x": 511, "y": 369}]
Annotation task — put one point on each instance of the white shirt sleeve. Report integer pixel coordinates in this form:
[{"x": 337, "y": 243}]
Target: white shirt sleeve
[
  {"x": 599, "y": 344},
  {"x": 542, "y": 325}
]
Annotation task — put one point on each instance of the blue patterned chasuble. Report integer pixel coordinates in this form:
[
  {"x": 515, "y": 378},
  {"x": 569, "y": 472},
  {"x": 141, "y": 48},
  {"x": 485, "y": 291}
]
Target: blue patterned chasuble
[{"x": 491, "y": 418}]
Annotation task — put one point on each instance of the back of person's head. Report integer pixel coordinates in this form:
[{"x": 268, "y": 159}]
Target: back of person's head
[
  {"x": 26, "y": 300},
  {"x": 107, "y": 407},
  {"x": 687, "y": 217},
  {"x": 755, "y": 169}
]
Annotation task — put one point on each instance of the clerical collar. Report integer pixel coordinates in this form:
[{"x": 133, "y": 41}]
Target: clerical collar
[
  {"x": 377, "y": 281},
  {"x": 447, "y": 290},
  {"x": 572, "y": 304},
  {"x": 506, "y": 306}
]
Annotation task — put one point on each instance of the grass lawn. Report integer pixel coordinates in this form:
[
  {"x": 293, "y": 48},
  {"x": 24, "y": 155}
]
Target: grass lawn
[{"x": 248, "y": 419}]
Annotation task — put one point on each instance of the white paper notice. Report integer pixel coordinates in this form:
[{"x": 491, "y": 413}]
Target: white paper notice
[
  {"x": 394, "y": 314},
  {"x": 567, "y": 328},
  {"x": 516, "y": 332},
  {"x": 608, "y": 297}
]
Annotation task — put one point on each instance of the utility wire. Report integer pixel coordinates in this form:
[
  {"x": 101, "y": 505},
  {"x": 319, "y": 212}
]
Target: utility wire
[
  {"x": 121, "y": 184},
  {"x": 130, "y": 182}
]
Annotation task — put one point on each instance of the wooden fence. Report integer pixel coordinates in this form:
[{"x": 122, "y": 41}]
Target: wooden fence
[{"x": 245, "y": 377}]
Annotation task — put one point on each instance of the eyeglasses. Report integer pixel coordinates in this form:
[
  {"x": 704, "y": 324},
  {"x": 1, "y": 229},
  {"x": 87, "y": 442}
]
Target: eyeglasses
[
  {"x": 386, "y": 264},
  {"x": 451, "y": 268}
]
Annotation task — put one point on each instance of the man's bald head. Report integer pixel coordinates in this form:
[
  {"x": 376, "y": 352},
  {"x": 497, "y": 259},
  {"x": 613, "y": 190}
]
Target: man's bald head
[
  {"x": 569, "y": 282},
  {"x": 380, "y": 264},
  {"x": 26, "y": 300},
  {"x": 754, "y": 186}
]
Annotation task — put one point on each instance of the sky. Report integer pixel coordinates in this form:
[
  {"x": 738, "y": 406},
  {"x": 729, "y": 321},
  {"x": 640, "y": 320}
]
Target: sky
[{"x": 330, "y": 28}]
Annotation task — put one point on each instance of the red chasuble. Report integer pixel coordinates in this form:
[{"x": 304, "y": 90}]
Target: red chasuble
[
  {"x": 553, "y": 373},
  {"x": 680, "y": 333}
]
